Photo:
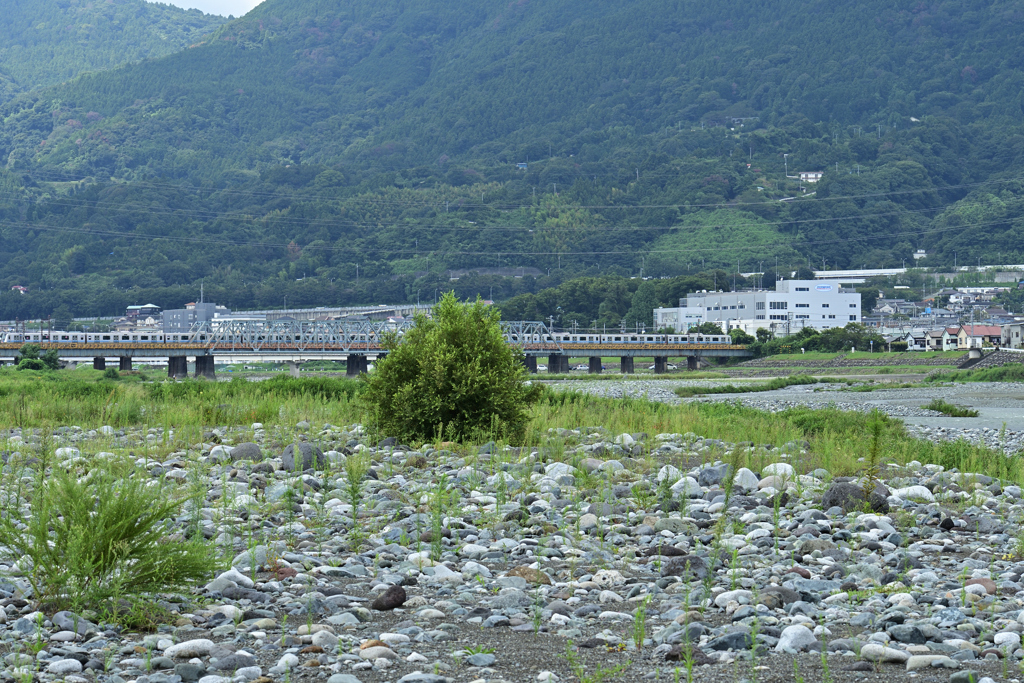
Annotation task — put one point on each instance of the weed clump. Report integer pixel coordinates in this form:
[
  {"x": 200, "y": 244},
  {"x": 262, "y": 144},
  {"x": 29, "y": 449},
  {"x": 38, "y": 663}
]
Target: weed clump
[
  {"x": 771, "y": 385},
  {"x": 946, "y": 408},
  {"x": 98, "y": 541}
]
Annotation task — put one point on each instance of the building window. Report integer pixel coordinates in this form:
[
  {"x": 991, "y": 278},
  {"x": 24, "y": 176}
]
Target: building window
[
  {"x": 802, "y": 317},
  {"x": 778, "y": 317},
  {"x": 832, "y": 317},
  {"x": 853, "y": 305},
  {"x": 853, "y": 317},
  {"x": 803, "y": 305},
  {"x": 743, "y": 305},
  {"x": 803, "y": 289},
  {"x": 759, "y": 305},
  {"x": 824, "y": 305},
  {"x": 778, "y": 305},
  {"x": 758, "y": 317}
]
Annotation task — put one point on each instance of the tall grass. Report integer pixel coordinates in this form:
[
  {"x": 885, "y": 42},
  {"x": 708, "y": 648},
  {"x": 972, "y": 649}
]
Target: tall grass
[{"x": 838, "y": 440}]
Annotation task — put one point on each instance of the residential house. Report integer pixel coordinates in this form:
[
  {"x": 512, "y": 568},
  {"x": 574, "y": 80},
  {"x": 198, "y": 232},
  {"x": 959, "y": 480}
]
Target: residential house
[
  {"x": 978, "y": 336},
  {"x": 998, "y": 314},
  {"x": 1013, "y": 336},
  {"x": 943, "y": 339},
  {"x": 917, "y": 340}
]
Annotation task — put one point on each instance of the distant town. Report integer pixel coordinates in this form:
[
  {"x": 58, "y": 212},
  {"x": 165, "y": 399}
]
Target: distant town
[{"x": 946, "y": 318}]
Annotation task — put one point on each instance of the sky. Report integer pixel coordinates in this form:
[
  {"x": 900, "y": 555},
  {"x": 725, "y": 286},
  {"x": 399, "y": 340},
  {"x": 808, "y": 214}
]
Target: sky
[{"x": 222, "y": 7}]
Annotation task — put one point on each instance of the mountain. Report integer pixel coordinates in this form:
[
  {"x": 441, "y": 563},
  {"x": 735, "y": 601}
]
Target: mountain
[
  {"x": 45, "y": 42},
  {"x": 358, "y": 152},
  {"x": 408, "y": 81}
]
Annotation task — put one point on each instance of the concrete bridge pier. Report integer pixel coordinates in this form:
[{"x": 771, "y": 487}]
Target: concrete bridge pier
[
  {"x": 205, "y": 368},
  {"x": 69, "y": 364},
  {"x": 355, "y": 365},
  {"x": 692, "y": 363},
  {"x": 293, "y": 368},
  {"x": 626, "y": 365},
  {"x": 124, "y": 364},
  {"x": 974, "y": 354},
  {"x": 660, "y": 365},
  {"x": 99, "y": 363},
  {"x": 594, "y": 365},
  {"x": 531, "y": 364},
  {"x": 557, "y": 363},
  {"x": 177, "y": 367}
]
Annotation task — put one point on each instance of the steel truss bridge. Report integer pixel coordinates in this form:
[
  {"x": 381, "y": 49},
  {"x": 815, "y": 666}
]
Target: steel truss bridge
[{"x": 295, "y": 342}]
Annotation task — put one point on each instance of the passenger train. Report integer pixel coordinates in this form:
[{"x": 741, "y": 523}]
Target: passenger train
[
  {"x": 625, "y": 338},
  {"x": 101, "y": 337},
  {"x": 16, "y": 337}
]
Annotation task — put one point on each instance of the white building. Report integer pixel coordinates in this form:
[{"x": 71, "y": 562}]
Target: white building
[
  {"x": 793, "y": 305},
  {"x": 679, "y": 319}
]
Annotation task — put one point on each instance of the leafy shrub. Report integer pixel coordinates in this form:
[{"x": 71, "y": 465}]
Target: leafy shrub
[
  {"x": 86, "y": 542},
  {"x": 39, "y": 360},
  {"x": 111, "y": 373},
  {"x": 452, "y": 376}
]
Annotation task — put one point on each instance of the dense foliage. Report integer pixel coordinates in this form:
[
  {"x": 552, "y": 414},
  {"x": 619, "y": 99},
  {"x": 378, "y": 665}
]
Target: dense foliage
[
  {"x": 43, "y": 42},
  {"x": 853, "y": 337},
  {"x": 367, "y": 152},
  {"x": 451, "y": 377}
]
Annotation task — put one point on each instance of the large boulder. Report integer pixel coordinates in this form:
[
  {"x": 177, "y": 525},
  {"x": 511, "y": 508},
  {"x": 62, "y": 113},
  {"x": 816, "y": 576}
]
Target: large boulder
[
  {"x": 247, "y": 451},
  {"x": 309, "y": 457},
  {"x": 852, "y": 496}
]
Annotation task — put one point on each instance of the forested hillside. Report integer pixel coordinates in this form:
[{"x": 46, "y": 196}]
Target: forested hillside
[
  {"x": 340, "y": 153},
  {"x": 43, "y": 42}
]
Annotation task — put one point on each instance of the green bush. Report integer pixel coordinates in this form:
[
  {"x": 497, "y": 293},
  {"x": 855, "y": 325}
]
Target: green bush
[
  {"x": 96, "y": 540},
  {"x": 453, "y": 377},
  {"x": 111, "y": 373},
  {"x": 31, "y": 364}
]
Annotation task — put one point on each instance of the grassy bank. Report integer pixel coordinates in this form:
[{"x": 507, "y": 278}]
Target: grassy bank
[
  {"x": 880, "y": 356},
  {"x": 838, "y": 440},
  {"x": 1004, "y": 373}
]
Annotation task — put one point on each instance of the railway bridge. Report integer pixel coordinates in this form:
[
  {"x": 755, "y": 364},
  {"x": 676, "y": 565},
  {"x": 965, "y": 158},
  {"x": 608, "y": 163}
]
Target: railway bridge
[{"x": 356, "y": 343}]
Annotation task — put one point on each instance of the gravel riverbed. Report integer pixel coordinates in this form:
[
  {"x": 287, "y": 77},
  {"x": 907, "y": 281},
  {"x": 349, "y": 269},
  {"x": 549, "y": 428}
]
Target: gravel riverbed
[{"x": 620, "y": 549}]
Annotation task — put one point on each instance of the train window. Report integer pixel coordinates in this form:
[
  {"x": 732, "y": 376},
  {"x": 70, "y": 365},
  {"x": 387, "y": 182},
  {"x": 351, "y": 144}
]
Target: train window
[{"x": 144, "y": 337}]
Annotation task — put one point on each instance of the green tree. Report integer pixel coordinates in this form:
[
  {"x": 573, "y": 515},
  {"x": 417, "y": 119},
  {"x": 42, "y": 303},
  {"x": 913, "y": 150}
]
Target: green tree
[
  {"x": 641, "y": 309},
  {"x": 29, "y": 351},
  {"x": 707, "y": 328},
  {"x": 51, "y": 359},
  {"x": 741, "y": 337},
  {"x": 452, "y": 376}
]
